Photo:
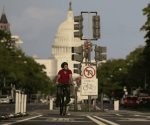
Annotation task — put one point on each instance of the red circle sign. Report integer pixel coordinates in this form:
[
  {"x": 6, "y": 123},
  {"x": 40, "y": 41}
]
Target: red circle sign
[{"x": 89, "y": 72}]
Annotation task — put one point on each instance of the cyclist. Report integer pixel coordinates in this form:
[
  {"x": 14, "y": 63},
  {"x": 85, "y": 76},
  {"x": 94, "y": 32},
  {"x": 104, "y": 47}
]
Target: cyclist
[{"x": 64, "y": 79}]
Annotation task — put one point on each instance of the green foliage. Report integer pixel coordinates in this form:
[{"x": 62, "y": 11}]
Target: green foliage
[
  {"x": 136, "y": 68},
  {"x": 146, "y": 52},
  {"x": 20, "y": 70},
  {"x": 117, "y": 73},
  {"x": 111, "y": 76}
]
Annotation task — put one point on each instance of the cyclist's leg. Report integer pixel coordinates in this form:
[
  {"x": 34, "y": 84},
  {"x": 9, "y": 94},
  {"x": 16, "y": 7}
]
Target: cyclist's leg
[
  {"x": 58, "y": 96},
  {"x": 64, "y": 101},
  {"x": 67, "y": 94},
  {"x": 61, "y": 105}
]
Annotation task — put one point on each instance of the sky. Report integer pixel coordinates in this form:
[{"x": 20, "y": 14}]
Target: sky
[{"x": 37, "y": 22}]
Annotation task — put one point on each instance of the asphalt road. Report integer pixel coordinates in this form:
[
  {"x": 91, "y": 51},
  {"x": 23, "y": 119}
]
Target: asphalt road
[
  {"x": 10, "y": 108},
  {"x": 40, "y": 115}
]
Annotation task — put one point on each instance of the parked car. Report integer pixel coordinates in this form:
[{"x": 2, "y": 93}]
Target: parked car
[
  {"x": 130, "y": 101},
  {"x": 144, "y": 100},
  {"x": 5, "y": 99},
  {"x": 106, "y": 99}
]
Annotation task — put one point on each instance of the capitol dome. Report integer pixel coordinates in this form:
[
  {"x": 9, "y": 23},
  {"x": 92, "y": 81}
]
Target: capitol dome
[
  {"x": 65, "y": 33},
  {"x": 64, "y": 41}
]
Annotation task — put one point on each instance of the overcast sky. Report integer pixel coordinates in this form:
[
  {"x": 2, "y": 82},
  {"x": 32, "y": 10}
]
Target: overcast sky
[{"x": 37, "y": 22}]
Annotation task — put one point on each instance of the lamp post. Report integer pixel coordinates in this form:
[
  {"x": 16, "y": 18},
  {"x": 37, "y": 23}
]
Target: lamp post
[
  {"x": 145, "y": 80},
  {"x": 125, "y": 91}
]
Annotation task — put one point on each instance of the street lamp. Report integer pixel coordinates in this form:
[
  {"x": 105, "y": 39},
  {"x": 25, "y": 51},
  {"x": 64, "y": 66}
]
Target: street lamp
[{"x": 125, "y": 91}]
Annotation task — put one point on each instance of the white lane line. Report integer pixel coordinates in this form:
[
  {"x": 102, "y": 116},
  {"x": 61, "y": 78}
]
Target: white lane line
[
  {"x": 136, "y": 115},
  {"x": 22, "y": 120},
  {"x": 107, "y": 121},
  {"x": 52, "y": 119},
  {"x": 134, "y": 120},
  {"x": 119, "y": 115},
  {"x": 95, "y": 120}
]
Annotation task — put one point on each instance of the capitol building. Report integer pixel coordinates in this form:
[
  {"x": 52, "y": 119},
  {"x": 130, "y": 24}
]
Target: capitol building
[{"x": 61, "y": 47}]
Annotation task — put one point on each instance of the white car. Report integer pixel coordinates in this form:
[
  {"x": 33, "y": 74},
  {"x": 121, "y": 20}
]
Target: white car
[{"x": 5, "y": 99}]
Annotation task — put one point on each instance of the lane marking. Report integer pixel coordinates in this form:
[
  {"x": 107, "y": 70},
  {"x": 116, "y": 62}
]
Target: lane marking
[
  {"x": 95, "y": 120},
  {"x": 118, "y": 115},
  {"x": 107, "y": 121},
  {"x": 137, "y": 115},
  {"x": 134, "y": 120},
  {"x": 147, "y": 116},
  {"x": 52, "y": 119},
  {"x": 22, "y": 120}
]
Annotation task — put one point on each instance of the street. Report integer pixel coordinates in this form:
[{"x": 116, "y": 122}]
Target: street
[{"x": 41, "y": 115}]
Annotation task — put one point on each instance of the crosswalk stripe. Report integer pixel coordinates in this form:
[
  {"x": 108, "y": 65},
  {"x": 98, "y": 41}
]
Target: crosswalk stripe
[
  {"x": 118, "y": 115},
  {"x": 107, "y": 121},
  {"x": 95, "y": 120}
]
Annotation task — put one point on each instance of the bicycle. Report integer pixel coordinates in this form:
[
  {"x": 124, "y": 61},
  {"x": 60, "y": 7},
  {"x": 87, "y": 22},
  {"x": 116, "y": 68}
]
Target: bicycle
[{"x": 63, "y": 92}]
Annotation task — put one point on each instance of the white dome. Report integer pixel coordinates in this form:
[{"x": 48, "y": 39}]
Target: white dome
[
  {"x": 65, "y": 33},
  {"x": 64, "y": 41},
  {"x": 65, "y": 29}
]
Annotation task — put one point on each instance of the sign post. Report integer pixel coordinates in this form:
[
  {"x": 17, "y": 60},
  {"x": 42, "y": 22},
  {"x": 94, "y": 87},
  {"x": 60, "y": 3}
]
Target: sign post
[{"x": 89, "y": 83}]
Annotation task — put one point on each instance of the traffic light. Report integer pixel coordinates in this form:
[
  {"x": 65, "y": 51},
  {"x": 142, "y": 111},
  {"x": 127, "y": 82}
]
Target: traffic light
[
  {"x": 77, "y": 68},
  {"x": 77, "y": 53},
  {"x": 96, "y": 26},
  {"x": 100, "y": 53},
  {"x": 87, "y": 48},
  {"x": 78, "y": 26}
]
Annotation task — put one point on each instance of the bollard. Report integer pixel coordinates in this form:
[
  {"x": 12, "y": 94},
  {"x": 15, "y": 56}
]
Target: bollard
[
  {"x": 116, "y": 105},
  {"x": 17, "y": 102},
  {"x": 22, "y": 103},
  {"x": 51, "y": 104},
  {"x": 25, "y": 103}
]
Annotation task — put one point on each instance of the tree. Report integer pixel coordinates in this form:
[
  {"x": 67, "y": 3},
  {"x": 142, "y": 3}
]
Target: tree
[
  {"x": 20, "y": 70},
  {"x": 146, "y": 52},
  {"x": 136, "y": 68},
  {"x": 111, "y": 77}
]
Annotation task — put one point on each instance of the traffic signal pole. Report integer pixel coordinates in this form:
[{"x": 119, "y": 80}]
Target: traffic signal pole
[
  {"x": 89, "y": 60},
  {"x": 84, "y": 51}
]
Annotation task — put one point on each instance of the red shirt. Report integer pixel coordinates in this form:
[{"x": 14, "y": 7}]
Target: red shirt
[{"x": 64, "y": 76}]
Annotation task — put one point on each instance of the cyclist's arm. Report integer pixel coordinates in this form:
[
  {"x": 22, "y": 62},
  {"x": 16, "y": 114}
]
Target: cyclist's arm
[
  {"x": 70, "y": 78},
  {"x": 58, "y": 76}
]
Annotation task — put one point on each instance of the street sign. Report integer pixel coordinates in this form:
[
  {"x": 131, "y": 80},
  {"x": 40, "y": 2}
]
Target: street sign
[
  {"x": 89, "y": 72},
  {"x": 89, "y": 86}
]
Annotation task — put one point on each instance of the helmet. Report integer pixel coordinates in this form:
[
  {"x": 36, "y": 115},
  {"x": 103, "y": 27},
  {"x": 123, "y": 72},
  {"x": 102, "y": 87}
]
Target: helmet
[{"x": 63, "y": 64}]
